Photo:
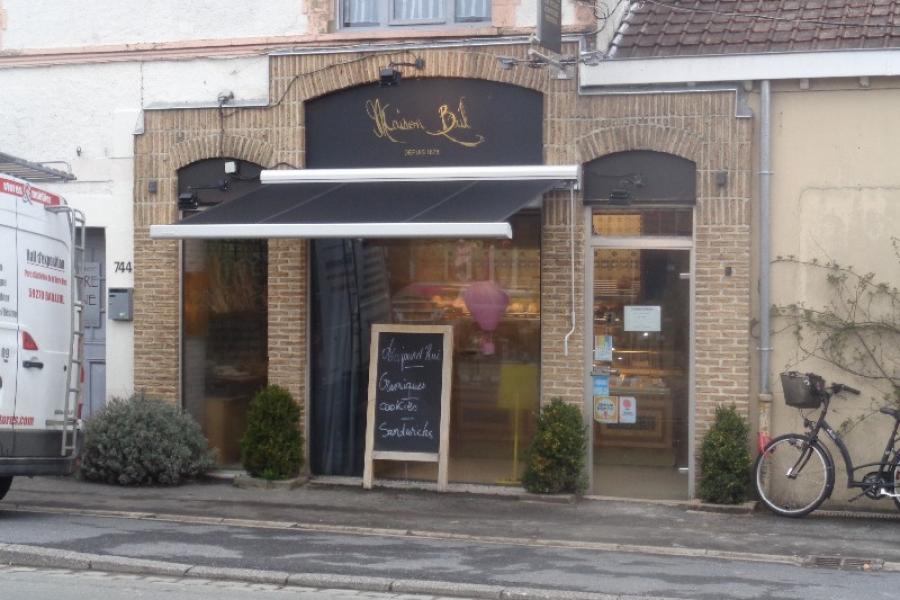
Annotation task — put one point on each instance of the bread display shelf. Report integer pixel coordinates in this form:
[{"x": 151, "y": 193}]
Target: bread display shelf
[{"x": 442, "y": 303}]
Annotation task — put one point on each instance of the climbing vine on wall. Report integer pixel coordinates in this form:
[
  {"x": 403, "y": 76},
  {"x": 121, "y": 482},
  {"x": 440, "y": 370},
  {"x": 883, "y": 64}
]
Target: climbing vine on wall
[{"x": 854, "y": 326}]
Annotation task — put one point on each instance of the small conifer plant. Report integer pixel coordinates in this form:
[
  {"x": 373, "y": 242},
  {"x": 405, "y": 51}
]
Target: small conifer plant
[
  {"x": 272, "y": 447},
  {"x": 555, "y": 458},
  {"x": 144, "y": 441},
  {"x": 725, "y": 459}
]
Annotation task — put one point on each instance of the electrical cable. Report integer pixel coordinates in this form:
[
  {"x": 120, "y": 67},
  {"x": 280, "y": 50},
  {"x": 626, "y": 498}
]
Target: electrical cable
[
  {"x": 601, "y": 16},
  {"x": 324, "y": 68}
]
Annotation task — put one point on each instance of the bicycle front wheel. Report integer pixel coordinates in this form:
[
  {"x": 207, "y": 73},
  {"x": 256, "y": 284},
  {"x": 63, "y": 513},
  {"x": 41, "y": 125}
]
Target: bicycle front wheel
[{"x": 792, "y": 476}]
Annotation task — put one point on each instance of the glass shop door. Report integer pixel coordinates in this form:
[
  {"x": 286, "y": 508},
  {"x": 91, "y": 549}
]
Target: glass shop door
[{"x": 640, "y": 373}]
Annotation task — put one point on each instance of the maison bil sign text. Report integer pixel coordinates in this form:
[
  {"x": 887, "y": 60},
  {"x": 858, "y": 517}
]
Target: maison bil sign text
[
  {"x": 448, "y": 122},
  {"x": 425, "y": 122}
]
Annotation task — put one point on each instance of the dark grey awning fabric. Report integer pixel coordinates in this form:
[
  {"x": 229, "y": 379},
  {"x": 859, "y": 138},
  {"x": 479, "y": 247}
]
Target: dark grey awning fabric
[
  {"x": 271, "y": 209},
  {"x": 377, "y": 202}
]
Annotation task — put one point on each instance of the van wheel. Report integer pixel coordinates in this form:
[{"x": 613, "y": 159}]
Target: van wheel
[{"x": 5, "y": 482}]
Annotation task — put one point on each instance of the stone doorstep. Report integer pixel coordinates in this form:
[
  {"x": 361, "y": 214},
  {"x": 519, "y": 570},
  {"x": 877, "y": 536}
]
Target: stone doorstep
[{"x": 247, "y": 482}]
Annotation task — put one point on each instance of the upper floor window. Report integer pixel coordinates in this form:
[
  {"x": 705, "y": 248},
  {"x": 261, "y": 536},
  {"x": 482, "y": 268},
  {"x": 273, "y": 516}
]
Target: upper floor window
[{"x": 380, "y": 13}]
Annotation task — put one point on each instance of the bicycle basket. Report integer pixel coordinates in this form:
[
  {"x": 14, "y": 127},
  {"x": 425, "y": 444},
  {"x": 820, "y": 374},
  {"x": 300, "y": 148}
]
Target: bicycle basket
[{"x": 803, "y": 390}]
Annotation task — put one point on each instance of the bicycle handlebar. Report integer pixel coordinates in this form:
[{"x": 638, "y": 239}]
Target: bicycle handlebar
[{"x": 840, "y": 387}]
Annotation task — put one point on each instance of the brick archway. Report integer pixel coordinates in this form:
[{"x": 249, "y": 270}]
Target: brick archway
[
  {"x": 643, "y": 136},
  {"x": 447, "y": 63},
  {"x": 215, "y": 146}
]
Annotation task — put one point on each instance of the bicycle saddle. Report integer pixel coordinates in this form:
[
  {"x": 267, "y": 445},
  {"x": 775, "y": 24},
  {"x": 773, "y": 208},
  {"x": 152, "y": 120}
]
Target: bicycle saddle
[{"x": 890, "y": 411}]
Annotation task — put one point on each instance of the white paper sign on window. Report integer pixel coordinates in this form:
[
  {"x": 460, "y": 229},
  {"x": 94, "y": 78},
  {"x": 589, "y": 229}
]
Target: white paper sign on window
[
  {"x": 627, "y": 410},
  {"x": 642, "y": 318}
]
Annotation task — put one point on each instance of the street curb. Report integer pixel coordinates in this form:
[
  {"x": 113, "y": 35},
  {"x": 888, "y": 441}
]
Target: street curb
[
  {"x": 744, "y": 508},
  {"x": 680, "y": 552},
  {"x": 548, "y": 498},
  {"x": 36, "y": 556},
  {"x": 246, "y": 482}
]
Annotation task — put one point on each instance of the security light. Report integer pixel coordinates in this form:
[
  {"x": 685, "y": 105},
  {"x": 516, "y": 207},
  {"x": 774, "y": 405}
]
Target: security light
[
  {"x": 188, "y": 201},
  {"x": 388, "y": 76}
]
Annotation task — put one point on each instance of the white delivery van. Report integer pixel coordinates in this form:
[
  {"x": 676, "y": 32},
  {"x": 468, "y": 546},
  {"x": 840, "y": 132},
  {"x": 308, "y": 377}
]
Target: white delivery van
[{"x": 41, "y": 267}]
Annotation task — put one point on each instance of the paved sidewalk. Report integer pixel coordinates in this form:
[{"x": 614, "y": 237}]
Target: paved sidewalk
[{"x": 630, "y": 526}]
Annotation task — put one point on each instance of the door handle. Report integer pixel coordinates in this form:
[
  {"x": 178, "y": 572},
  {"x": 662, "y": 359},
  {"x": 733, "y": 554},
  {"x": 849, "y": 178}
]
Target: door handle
[{"x": 33, "y": 364}]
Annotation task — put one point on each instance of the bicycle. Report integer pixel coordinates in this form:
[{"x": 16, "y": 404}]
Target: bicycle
[{"x": 795, "y": 472}]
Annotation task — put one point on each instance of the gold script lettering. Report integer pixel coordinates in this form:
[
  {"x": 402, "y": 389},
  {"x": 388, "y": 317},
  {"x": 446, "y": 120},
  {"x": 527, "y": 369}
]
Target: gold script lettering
[
  {"x": 450, "y": 122},
  {"x": 385, "y": 126}
]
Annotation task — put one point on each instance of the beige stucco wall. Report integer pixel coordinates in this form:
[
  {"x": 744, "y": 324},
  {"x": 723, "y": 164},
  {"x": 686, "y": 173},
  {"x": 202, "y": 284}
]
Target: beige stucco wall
[{"x": 835, "y": 195}]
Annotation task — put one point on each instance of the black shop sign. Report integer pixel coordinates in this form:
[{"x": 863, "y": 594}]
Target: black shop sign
[{"x": 425, "y": 122}]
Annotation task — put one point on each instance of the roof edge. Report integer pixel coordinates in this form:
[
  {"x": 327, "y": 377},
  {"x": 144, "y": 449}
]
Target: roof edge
[
  {"x": 33, "y": 171},
  {"x": 739, "y": 67}
]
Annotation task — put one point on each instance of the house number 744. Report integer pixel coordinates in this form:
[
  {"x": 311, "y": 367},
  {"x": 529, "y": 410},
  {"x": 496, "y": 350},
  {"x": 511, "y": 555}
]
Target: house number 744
[{"x": 122, "y": 266}]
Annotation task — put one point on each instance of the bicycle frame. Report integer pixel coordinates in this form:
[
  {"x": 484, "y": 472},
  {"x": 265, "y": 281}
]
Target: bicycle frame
[{"x": 888, "y": 457}]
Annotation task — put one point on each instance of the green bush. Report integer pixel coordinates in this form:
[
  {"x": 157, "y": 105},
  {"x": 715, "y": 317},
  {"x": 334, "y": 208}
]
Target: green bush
[
  {"x": 272, "y": 447},
  {"x": 555, "y": 458},
  {"x": 143, "y": 441},
  {"x": 725, "y": 459}
]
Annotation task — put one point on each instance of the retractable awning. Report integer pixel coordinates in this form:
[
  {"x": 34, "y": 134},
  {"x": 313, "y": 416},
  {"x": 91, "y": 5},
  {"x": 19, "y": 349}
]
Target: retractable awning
[{"x": 376, "y": 203}]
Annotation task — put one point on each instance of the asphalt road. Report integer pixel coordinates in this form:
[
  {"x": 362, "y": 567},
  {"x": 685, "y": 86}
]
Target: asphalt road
[
  {"x": 420, "y": 558},
  {"x": 56, "y": 584}
]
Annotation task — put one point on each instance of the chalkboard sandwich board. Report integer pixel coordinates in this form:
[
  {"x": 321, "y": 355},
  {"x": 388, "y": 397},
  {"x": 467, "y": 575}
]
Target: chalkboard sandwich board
[{"x": 409, "y": 396}]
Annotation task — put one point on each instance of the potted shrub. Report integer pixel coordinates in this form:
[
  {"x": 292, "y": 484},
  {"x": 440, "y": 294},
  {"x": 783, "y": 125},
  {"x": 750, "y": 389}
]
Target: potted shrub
[
  {"x": 555, "y": 458},
  {"x": 725, "y": 459},
  {"x": 272, "y": 447}
]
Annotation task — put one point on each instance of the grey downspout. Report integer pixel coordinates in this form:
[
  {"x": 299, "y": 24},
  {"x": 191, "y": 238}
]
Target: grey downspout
[
  {"x": 571, "y": 266},
  {"x": 765, "y": 226},
  {"x": 765, "y": 182}
]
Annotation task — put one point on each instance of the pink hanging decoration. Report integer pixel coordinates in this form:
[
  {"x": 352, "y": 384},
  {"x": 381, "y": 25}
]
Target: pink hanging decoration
[{"x": 487, "y": 303}]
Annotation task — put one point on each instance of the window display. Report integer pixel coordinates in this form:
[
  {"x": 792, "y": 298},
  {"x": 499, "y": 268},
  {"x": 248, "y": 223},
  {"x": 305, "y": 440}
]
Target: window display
[
  {"x": 487, "y": 290},
  {"x": 225, "y": 337}
]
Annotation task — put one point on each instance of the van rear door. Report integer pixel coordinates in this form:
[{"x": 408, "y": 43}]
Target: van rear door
[
  {"x": 9, "y": 324},
  {"x": 45, "y": 325}
]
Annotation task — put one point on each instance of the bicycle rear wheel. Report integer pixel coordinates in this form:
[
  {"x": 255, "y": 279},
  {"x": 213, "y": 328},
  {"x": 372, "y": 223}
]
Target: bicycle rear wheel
[{"x": 792, "y": 476}]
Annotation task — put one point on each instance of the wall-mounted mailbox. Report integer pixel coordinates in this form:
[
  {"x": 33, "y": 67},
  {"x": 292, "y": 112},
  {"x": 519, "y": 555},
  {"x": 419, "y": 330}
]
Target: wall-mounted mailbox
[{"x": 121, "y": 304}]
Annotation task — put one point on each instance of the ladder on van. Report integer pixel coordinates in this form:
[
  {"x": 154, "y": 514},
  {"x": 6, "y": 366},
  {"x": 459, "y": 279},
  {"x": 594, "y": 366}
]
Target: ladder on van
[{"x": 76, "y": 342}]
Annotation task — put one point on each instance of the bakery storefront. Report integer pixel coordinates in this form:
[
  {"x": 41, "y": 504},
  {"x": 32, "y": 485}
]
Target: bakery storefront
[
  {"x": 394, "y": 236},
  {"x": 591, "y": 248}
]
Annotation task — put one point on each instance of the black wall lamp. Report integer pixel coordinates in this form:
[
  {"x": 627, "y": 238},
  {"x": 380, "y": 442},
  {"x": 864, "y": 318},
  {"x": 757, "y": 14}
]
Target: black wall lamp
[
  {"x": 188, "y": 201},
  {"x": 390, "y": 75}
]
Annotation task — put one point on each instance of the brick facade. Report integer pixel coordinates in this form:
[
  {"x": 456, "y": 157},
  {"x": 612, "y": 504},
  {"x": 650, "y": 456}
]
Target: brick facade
[{"x": 699, "y": 126}]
